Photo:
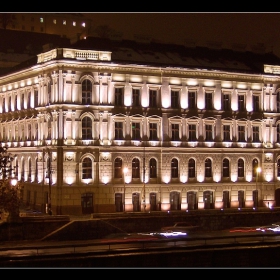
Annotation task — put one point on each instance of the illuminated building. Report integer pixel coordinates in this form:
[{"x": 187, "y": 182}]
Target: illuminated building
[{"x": 203, "y": 120}]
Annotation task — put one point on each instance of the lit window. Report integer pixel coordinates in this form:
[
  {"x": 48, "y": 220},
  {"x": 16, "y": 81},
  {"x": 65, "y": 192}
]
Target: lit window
[
  {"x": 41, "y": 20},
  {"x": 84, "y": 24},
  {"x": 64, "y": 22},
  {"x": 54, "y": 21},
  {"x": 74, "y": 23}
]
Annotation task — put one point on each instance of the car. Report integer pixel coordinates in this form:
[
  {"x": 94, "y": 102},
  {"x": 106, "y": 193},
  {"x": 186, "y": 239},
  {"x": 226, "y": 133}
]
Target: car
[
  {"x": 275, "y": 227},
  {"x": 181, "y": 227}
]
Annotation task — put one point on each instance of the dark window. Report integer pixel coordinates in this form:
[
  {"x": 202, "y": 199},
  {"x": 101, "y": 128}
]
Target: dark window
[
  {"x": 22, "y": 102},
  {"x": 208, "y": 168},
  {"x": 175, "y": 132},
  {"x": 152, "y": 98},
  {"x": 3, "y": 105},
  {"x": 86, "y": 92},
  {"x": 10, "y": 104},
  {"x": 86, "y": 128},
  {"x": 208, "y": 132},
  {"x": 153, "y": 131},
  {"x": 278, "y": 102},
  {"x": 209, "y": 101},
  {"x": 240, "y": 166},
  {"x": 136, "y": 131},
  {"x": 119, "y": 98},
  {"x": 153, "y": 168},
  {"x": 192, "y": 99},
  {"x": 226, "y": 102},
  {"x": 256, "y": 134},
  {"x": 191, "y": 168},
  {"x": 226, "y": 168},
  {"x": 226, "y": 130},
  {"x": 174, "y": 168},
  {"x": 15, "y": 106},
  {"x": 118, "y": 130},
  {"x": 241, "y": 133},
  {"x": 136, "y": 98},
  {"x": 118, "y": 168},
  {"x": 256, "y": 103},
  {"x": 174, "y": 99},
  {"x": 192, "y": 132},
  {"x": 36, "y": 98},
  {"x": 87, "y": 169},
  {"x": 29, "y": 100},
  {"x": 135, "y": 168},
  {"x": 241, "y": 103},
  {"x": 278, "y": 133}
]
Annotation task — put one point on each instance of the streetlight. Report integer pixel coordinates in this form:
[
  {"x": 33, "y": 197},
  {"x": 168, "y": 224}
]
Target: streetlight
[{"x": 125, "y": 170}]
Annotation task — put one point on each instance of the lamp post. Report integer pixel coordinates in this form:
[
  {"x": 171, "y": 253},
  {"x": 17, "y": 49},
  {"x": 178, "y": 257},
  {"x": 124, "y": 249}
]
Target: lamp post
[{"x": 125, "y": 170}]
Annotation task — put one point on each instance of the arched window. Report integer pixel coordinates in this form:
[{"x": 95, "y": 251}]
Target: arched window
[
  {"x": 135, "y": 168},
  {"x": 225, "y": 167},
  {"x": 191, "y": 168},
  {"x": 86, "y": 128},
  {"x": 240, "y": 168},
  {"x": 174, "y": 168},
  {"x": 86, "y": 92},
  {"x": 87, "y": 169},
  {"x": 118, "y": 168},
  {"x": 153, "y": 168},
  {"x": 208, "y": 168},
  {"x": 255, "y": 165}
]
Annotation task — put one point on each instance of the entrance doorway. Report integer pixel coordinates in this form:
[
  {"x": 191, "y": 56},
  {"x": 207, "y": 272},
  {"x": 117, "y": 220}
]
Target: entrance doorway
[
  {"x": 175, "y": 201},
  {"x": 255, "y": 198},
  {"x": 153, "y": 201},
  {"x": 136, "y": 202},
  {"x": 208, "y": 200},
  {"x": 226, "y": 200},
  {"x": 87, "y": 203},
  {"x": 191, "y": 200},
  {"x": 241, "y": 199},
  {"x": 119, "y": 202}
]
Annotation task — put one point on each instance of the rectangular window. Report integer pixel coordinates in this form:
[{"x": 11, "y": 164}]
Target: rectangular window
[
  {"x": 152, "y": 98},
  {"x": 209, "y": 101},
  {"x": 256, "y": 103},
  {"x": 175, "y": 136},
  {"x": 192, "y": 99},
  {"x": 118, "y": 131},
  {"x": 226, "y": 102},
  {"x": 153, "y": 131},
  {"x": 28, "y": 132},
  {"x": 10, "y": 104},
  {"x": 3, "y": 105},
  {"x": 22, "y": 102},
  {"x": 136, "y": 131},
  {"x": 174, "y": 99},
  {"x": 136, "y": 98},
  {"x": 278, "y": 133},
  {"x": 36, "y": 98},
  {"x": 256, "y": 134},
  {"x": 192, "y": 132},
  {"x": 226, "y": 131},
  {"x": 15, "y": 105},
  {"x": 208, "y": 132},
  {"x": 241, "y": 103},
  {"x": 119, "y": 97},
  {"x": 241, "y": 133}
]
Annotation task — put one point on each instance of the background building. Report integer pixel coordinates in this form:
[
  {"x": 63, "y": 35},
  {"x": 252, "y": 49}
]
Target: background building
[{"x": 109, "y": 126}]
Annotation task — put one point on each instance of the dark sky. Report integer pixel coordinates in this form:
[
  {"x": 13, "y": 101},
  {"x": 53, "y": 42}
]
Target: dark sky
[{"x": 226, "y": 28}]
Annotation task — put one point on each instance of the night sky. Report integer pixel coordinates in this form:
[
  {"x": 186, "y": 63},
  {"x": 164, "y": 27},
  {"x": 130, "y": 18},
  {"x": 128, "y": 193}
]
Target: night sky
[{"x": 227, "y": 28}]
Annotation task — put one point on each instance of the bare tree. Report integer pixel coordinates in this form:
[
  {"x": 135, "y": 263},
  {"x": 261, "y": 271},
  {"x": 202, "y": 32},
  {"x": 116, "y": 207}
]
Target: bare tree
[{"x": 6, "y": 20}]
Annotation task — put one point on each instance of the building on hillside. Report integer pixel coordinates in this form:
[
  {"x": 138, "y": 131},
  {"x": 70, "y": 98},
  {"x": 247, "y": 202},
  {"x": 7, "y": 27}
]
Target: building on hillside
[
  {"x": 74, "y": 26},
  {"x": 120, "y": 126}
]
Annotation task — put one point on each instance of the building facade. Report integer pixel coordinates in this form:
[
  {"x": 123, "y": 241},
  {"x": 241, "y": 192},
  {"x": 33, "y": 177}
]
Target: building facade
[{"x": 92, "y": 135}]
